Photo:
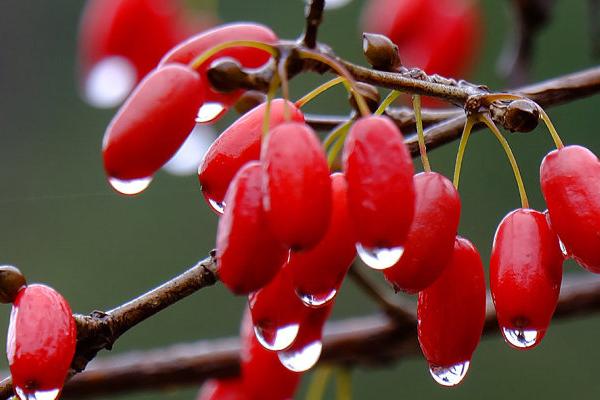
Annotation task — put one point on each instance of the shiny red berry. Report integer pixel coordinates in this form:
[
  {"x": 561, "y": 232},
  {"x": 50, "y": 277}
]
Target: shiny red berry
[
  {"x": 248, "y": 256},
  {"x": 437, "y": 213},
  {"x": 305, "y": 352},
  {"x": 296, "y": 185},
  {"x": 381, "y": 198},
  {"x": 276, "y": 312},
  {"x": 120, "y": 41},
  {"x": 152, "y": 124},
  {"x": 41, "y": 341},
  {"x": 248, "y": 57},
  {"x": 570, "y": 180},
  {"x": 237, "y": 145},
  {"x": 451, "y": 313},
  {"x": 318, "y": 273},
  {"x": 223, "y": 389},
  {"x": 264, "y": 378},
  {"x": 525, "y": 276}
]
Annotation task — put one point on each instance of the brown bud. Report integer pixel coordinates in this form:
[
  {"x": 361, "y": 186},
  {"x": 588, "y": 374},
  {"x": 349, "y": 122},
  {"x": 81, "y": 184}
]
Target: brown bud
[
  {"x": 381, "y": 52},
  {"x": 369, "y": 93},
  {"x": 226, "y": 75},
  {"x": 249, "y": 100},
  {"x": 517, "y": 116},
  {"x": 11, "y": 281}
]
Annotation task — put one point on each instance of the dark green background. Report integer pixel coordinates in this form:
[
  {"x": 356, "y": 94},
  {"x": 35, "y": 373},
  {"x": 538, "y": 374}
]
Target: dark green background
[{"x": 62, "y": 225}]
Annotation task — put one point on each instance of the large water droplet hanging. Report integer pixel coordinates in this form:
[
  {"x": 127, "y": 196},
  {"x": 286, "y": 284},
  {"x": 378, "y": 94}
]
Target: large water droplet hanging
[
  {"x": 130, "y": 187},
  {"x": 520, "y": 338},
  {"x": 109, "y": 82},
  {"x": 300, "y": 360},
  {"x": 37, "y": 395},
  {"x": 276, "y": 338},
  {"x": 449, "y": 376},
  {"x": 317, "y": 299},
  {"x": 188, "y": 157},
  {"x": 209, "y": 112},
  {"x": 379, "y": 257}
]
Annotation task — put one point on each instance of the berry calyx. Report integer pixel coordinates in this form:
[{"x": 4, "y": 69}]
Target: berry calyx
[
  {"x": 318, "y": 273},
  {"x": 570, "y": 179},
  {"x": 152, "y": 124},
  {"x": 238, "y": 144},
  {"x": 525, "y": 276},
  {"x": 437, "y": 213},
  {"x": 379, "y": 172},
  {"x": 248, "y": 255},
  {"x": 296, "y": 185},
  {"x": 451, "y": 313},
  {"x": 41, "y": 341}
]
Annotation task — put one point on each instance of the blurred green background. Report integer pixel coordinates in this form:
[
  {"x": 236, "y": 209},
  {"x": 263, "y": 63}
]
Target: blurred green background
[{"x": 62, "y": 224}]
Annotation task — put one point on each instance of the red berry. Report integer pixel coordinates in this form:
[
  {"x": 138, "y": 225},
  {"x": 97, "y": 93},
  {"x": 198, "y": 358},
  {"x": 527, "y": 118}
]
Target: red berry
[
  {"x": 437, "y": 213},
  {"x": 248, "y": 57},
  {"x": 41, "y": 341},
  {"x": 381, "y": 196},
  {"x": 441, "y": 36},
  {"x": 318, "y": 273},
  {"x": 223, "y": 389},
  {"x": 305, "y": 352},
  {"x": 263, "y": 376},
  {"x": 276, "y": 312},
  {"x": 525, "y": 276},
  {"x": 131, "y": 34},
  {"x": 152, "y": 124},
  {"x": 248, "y": 256},
  {"x": 571, "y": 186},
  {"x": 296, "y": 185},
  {"x": 237, "y": 145},
  {"x": 451, "y": 313}
]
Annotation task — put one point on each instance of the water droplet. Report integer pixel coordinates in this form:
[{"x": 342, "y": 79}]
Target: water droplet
[
  {"x": 300, "y": 360},
  {"x": 563, "y": 248},
  {"x": 210, "y": 112},
  {"x": 188, "y": 157},
  {"x": 449, "y": 376},
  {"x": 316, "y": 299},
  {"x": 520, "y": 338},
  {"x": 109, "y": 82},
  {"x": 335, "y": 4},
  {"x": 131, "y": 187},
  {"x": 275, "y": 339},
  {"x": 379, "y": 257},
  {"x": 37, "y": 395},
  {"x": 217, "y": 206}
]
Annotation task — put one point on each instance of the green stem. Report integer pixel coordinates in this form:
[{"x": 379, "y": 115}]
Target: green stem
[
  {"x": 343, "y": 384},
  {"x": 318, "y": 90},
  {"x": 393, "y": 95},
  {"x": 555, "y": 137},
  {"x": 202, "y": 58},
  {"x": 270, "y": 95},
  {"x": 420, "y": 133},
  {"x": 316, "y": 389},
  {"x": 461, "y": 149}
]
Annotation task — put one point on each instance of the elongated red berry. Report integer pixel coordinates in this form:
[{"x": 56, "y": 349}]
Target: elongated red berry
[
  {"x": 120, "y": 41},
  {"x": 248, "y": 256},
  {"x": 305, "y": 352},
  {"x": 451, "y": 313},
  {"x": 525, "y": 276},
  {"x": 264, "y": 378},
  {"x": 318, "y": 273},
  {"x": 41, "y": 341},
  {"x": 248, "y": 57},
  {"x": 223, "y": 389},
  {"x": 381, "y": 197},
  {"x": 296, "y": 185},
  {"x": 570, "y": 180},
  {"x": 276, "y": 312},
  {"x": 437, "y": 213},
  {"x": 237, "y": 145},
  {"x": 152, "y": 124}
]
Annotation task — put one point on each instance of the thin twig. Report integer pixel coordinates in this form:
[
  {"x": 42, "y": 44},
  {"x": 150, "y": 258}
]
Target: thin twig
[{"x": 314, "y": 16}]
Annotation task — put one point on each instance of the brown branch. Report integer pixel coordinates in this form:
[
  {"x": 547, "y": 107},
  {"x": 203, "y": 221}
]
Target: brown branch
[
  {"x": 363, "y": 341},
  {"x": 314, "y": 16}
]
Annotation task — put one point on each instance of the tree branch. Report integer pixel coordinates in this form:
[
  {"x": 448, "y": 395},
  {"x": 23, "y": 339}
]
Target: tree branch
[
  {"x": 314, "y": 16},
  {"x": 363, "y": 341}
]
